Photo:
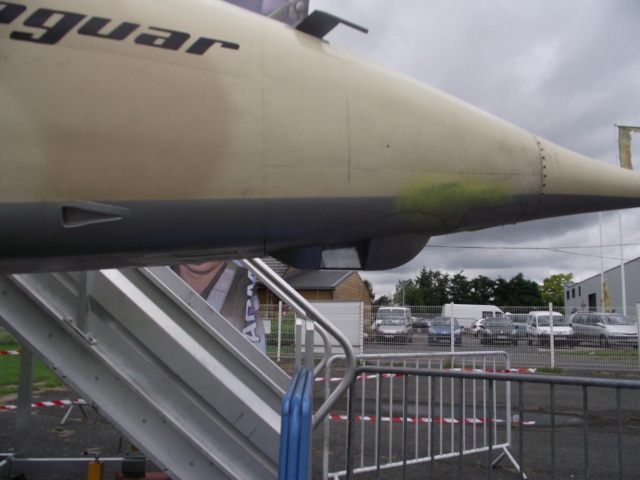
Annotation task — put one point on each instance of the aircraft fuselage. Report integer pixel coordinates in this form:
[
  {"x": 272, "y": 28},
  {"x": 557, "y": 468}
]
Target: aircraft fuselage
[{"x": 146, "y": 133}]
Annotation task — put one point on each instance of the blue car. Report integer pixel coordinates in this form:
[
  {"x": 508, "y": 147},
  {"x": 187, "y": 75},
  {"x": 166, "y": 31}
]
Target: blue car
[{"x": 440, "y": 331}]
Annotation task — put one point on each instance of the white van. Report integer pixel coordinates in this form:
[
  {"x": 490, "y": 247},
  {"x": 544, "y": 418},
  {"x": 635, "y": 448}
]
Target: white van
[
  {"x": 393, "y": 312},
  {"x": 467, "y": 314}
]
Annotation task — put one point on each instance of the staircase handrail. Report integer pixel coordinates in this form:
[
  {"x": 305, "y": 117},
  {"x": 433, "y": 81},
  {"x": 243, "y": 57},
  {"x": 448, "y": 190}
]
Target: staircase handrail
[{"x": 305, "y": 310}]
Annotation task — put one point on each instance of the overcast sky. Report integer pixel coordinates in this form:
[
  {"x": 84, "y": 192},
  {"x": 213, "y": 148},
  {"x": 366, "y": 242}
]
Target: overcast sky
[{"x": 568, "y": 71}]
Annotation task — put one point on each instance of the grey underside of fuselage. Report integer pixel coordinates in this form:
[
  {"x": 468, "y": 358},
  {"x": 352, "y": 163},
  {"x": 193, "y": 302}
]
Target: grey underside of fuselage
[{"x": 90, "y": 235}]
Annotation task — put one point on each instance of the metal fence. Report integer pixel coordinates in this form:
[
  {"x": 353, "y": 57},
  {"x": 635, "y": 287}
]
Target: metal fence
[
  {"x": 587, "y": 355},
  {"x": 427, "y": 422},
  {"x": 447, "y": 415},
  {"x": 430, "y": 419}
]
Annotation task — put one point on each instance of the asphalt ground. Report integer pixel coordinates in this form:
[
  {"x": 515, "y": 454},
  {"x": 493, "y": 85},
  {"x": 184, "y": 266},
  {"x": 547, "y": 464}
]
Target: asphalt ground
[
  {"x": 87, "y": 435},
  {"x": 566, "y": 438},
  {"x": 84, "y": 432}
]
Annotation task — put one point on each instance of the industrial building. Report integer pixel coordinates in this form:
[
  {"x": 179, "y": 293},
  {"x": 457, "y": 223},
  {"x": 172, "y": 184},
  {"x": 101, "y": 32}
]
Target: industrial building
[{"x": 594, "y": 294}]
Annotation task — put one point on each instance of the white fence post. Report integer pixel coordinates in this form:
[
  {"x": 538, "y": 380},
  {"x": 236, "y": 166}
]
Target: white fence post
[
  {"x": 638, "y": 323},
  {"x": 551, "y": 340},
  {"x": 362, "y": 313},
  {"x": 279, "y": 330},
  {"x": 452, "y": 340}
]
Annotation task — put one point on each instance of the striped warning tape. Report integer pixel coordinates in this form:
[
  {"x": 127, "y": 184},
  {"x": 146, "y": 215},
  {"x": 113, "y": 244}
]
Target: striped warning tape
[
  {"x": 361, "y": 377},
  {"x": 53, "y": 403},
  {"x": 367, "y": 418},
  {"x": 390, "y": 375},
  {"x": 508, "y": 370},
  {"x": 9, "y": 352}
]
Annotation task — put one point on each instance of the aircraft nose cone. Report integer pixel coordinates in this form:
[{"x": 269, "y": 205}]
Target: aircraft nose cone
[{"x": 573, "y": 183}]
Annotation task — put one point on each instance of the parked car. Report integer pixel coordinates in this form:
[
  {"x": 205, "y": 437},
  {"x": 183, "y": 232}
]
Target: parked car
[
  {"x": 475, "y": 328},
  {"x": 604, "y": 328},
  {"x": 466, "y": 314},
  {"x": 539, "y": 329},
  {"x": 393, "y": 312},
  {"x": 395, "y": 329},
  {"x": 520, "y": 322},
  {"x": 498, "y": 329},
  {"x": 420, "y": 324},
  {"x": 440, "y": 331}
]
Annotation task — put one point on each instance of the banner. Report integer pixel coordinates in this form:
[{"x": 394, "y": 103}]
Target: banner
[
  {"x": 231, "y": 290},
  {"x": 624, "y": 143}
]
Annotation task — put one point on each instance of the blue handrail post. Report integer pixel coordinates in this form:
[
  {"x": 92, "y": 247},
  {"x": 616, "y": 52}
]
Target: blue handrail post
[{"x": 295, "y": 434}]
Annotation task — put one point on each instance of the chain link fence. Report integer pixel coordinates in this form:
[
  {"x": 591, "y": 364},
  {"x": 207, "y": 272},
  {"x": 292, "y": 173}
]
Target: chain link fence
[
  {"x": 586, "y": 355},
  {"x": 527, "y": 353}
]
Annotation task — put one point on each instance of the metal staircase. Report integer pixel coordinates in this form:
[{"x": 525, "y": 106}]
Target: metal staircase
[{"x": 160, "y": 364}]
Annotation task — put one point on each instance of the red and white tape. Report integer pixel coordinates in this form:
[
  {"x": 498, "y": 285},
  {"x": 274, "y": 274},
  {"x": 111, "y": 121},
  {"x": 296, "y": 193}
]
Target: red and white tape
[
  {"x": 9, "y": 352},
  {"x": 52, "y": 403},
  {"x": 367, "y": 418},
  {"x": 508, "y": 370},
  {"x": 361, "y": 377}
]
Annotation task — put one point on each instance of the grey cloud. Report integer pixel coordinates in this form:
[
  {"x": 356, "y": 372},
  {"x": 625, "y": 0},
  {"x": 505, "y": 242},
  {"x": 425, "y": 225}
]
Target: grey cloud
[{"x": 566, "y": 71}]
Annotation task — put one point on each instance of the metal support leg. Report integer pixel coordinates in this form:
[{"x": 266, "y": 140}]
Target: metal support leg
[
  {"x": 23, "y": 416},
  {"x": 66, "y": 415},
  {"x": 309, "y": 340}
]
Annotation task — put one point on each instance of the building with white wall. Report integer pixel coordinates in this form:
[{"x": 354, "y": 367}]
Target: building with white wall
[{"x": 588, "y": 294}]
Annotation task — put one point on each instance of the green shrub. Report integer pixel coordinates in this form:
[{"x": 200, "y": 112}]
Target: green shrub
[{"x": 288, "y": 338}]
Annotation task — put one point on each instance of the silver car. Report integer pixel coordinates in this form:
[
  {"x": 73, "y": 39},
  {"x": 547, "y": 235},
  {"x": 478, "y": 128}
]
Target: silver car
[
  {"x": 394, "y": 329},
  {"x": 604, "y": 329},
  {"x": 539, "y": 329}
]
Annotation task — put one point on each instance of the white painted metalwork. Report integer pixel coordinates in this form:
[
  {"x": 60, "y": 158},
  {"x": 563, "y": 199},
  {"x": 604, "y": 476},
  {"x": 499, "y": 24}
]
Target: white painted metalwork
[
  {"x": 160, "y": 364},
  {"x": 448, "y": 418}
]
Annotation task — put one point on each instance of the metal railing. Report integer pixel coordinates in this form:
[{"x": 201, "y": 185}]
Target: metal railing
[
  {"x": 314, "y": 320},
  {"x": 307, "y": 317},
  {"x": 567, "y": 427},
  {"x": 380, "y": 403},
  {"x": 583, "y": 354}
]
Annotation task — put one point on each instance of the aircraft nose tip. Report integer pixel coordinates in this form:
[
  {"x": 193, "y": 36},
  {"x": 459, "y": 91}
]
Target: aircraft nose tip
[{"x": 572, "y": 183}]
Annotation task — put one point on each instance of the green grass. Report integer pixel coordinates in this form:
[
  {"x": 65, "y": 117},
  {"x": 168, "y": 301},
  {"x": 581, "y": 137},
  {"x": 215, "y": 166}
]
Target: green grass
[
  {"x": 10, "y": 372},
  {"x": 549, "y": 370},
  {"x": 601, "y": 353},
  {"x": 272, "y": 350},
  {"x": 287, "y": 338}
]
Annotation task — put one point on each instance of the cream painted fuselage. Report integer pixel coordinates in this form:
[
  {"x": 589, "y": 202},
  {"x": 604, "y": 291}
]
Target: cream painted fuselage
[{"x": 158, "y": 132}]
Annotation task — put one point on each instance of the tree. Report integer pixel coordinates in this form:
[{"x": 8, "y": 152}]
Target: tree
[
  {"x": 460, "y": 289},
  {"x": 369, "y": 286},
  {"x": 407, "y": 293},
  {"x": 501, "y": 291},
  {"x": 482, "y": 290},
  {"x": 517, "y": 292},
  {"x": 552, "y": 289},
  {"x": 434, "y": 286},
  {"x": 383, "y": 301}
]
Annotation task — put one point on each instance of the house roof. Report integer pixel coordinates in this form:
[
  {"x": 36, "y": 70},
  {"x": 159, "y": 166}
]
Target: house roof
[
  {"x": 317, "y": 279},
  {"x": 308, "y": 279}
]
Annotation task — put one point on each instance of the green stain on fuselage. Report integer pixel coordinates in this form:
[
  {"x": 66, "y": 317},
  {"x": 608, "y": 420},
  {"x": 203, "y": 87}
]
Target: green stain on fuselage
[{"x": 450, "y": 196}]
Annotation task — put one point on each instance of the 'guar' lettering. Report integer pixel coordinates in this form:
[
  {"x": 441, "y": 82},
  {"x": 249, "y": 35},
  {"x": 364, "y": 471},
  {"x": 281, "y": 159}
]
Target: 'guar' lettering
[{"x": 50, "y": 26}]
